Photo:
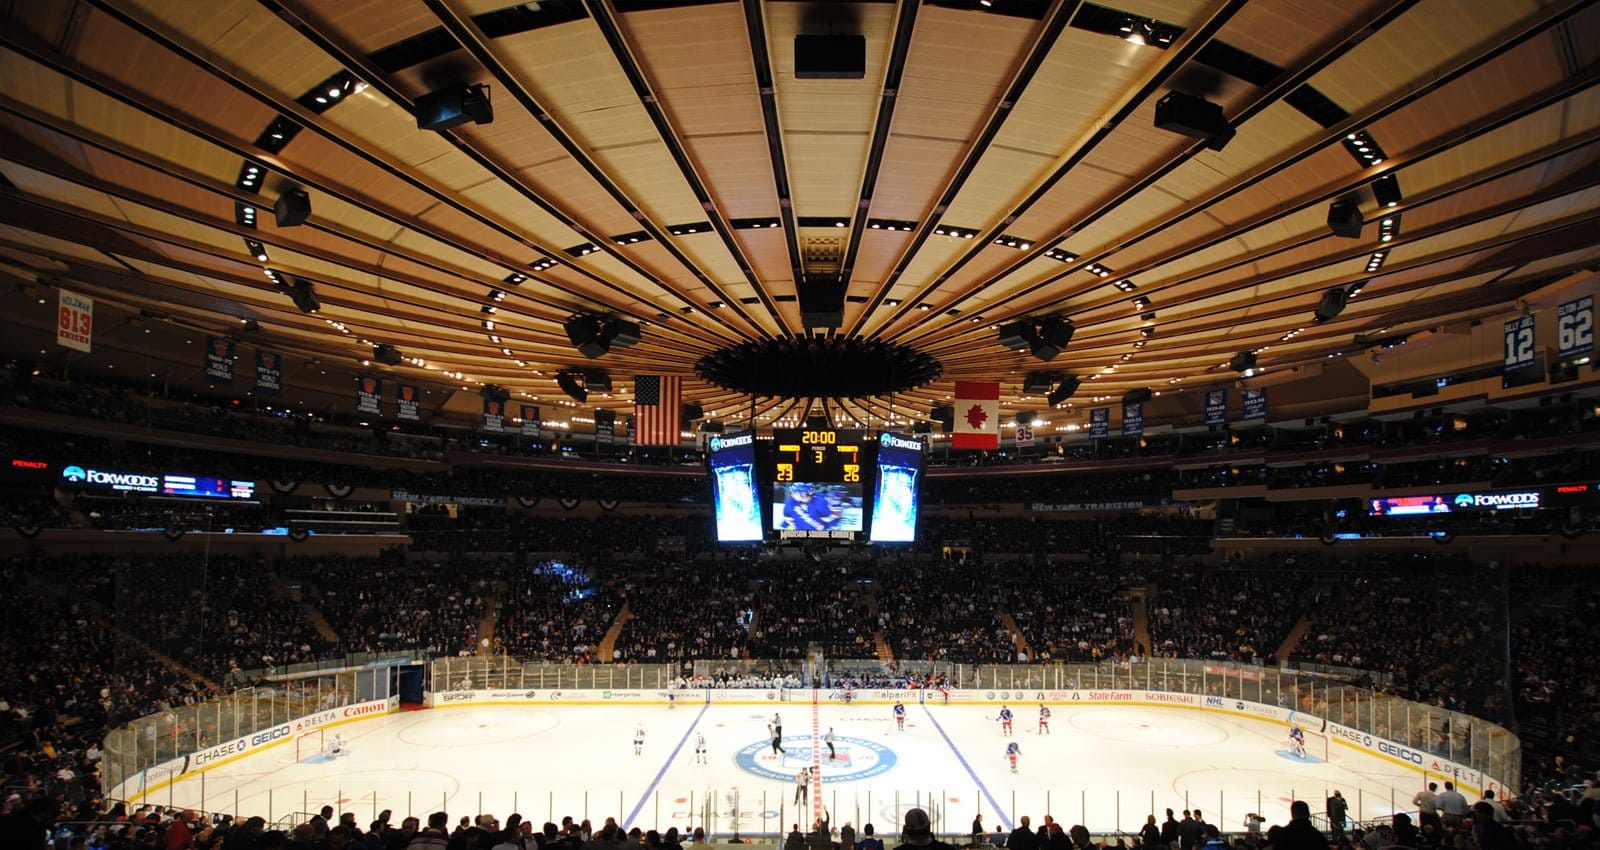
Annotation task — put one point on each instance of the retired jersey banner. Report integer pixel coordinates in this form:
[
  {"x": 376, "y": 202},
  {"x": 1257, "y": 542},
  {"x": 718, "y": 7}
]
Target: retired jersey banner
[
  {"x": 410, "y": 401},
  {"x": 1216, "y": 407},
  {"x": 1519, "y": 342},
  {"x": 269, "y": 373},
  {"x": 75, "y": 321},
  {"x": 1574, "y": 327},
  {"x": 530, "y": 420},
  {"x": 219, "y": 360},
  {"x": 369, "y": 395},
  {"x": 494, "y": 416},
  {"x": 1133, "y": 419},
  {"x": 1100, "y": 422},
  {"x": 1255, "y": 403},
  {"x": 1024, "y": 436},
  {"x": 605, "y": 427}
]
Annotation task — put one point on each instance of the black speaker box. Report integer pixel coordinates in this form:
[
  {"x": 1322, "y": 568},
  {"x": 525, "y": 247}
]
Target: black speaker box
[
  {"x": 454, "y": 106},
  {"x": 1017, "y": 336},
  {"x": 1136, "y": 396},
  {"x": 1191, "y": 116},
  {"x": 830, "y": 57},
  {"x": 1344, "y": 217},
  {"x": 821, "y": 304},
  {"x": 293, "y": 208}
]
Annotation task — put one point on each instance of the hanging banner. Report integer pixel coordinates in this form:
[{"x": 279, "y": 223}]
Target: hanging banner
[
  {"x": 605, "y": 426},
  {"x": 1216, "y": 407},
  {"x": 369, "y": 395},
  {"x": 1519, "y": 342},
  {"x": 219, "y": 360},
  {"x": 75, "y": 321},
  {"x": 408, "y": 398},
  {"x": 269, "y": 373},
  {"x": 1024, "y": 436},
  {"x": 1255, "y": 403},
  {"x": 530, "y": 420},
  {"x": 1574, "y": 327},
  {"x": 494, "y": 416},
  {"x": 1100, "y": 422},
  {"x": 1133, "y": 419}
]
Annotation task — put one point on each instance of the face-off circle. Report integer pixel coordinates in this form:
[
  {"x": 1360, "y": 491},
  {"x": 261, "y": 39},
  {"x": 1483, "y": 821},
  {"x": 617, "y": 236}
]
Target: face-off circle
[{"x": 855, "y": 759}]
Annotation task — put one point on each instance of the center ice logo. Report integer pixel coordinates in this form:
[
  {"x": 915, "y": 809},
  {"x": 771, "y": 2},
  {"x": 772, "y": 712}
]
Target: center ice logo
[{"x": 857, "y": 758}]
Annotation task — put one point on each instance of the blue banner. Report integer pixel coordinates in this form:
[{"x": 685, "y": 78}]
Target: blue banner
[
  {"x": 1575, "y": 327},
  {"x": 1133, "y": 419},
  {"x": 409, "y": 399},
  {"x": 269, "y": 373},
  {"x": 1216, "y": 407},
  {"x": 219, "y": 360},
  {"x": 1255, "y": 403},
  {"x": 369, "y": 395},
  {"x": 1100, "y": 422}
]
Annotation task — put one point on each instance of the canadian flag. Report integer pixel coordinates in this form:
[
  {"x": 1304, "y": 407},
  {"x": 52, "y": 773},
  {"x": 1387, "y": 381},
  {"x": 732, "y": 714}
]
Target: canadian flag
[{"x": 977, "y": 416}]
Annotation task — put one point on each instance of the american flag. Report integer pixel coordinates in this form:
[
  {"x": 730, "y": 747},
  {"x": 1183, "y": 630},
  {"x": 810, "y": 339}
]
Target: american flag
[{"x": 657, "y": 407}]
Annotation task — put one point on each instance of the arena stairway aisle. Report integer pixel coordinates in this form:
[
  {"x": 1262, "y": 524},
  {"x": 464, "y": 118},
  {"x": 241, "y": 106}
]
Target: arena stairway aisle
[
  {"x": 608, "y": 644},
  {"x": 1141, "y": 617},
  {"x": 880, "y": 642},
  {"x": 487, "y": 640},
  {"x": 1292, "y": 640},
  {"x": 1018, "y": 639}
]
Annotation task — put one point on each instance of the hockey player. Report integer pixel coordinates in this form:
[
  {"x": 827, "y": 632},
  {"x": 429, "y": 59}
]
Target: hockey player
[
  {"x": 638, "y": 739},
  {"x": 849, "y": 694},
  {"x": 802, "y": 784},
  {"x": 1012, "y": 751},
  {"x": 1297, "y": 740},
  {"x": 900, "y": 715},
  {"x": 1044, "y": 719},
  {"x": 700, "y": 748},
  {"x": 828, "y": 739},
  {"x": 775, "y": 729},
  {"x": 336, "y": 747},
  {"x": 672, "y": 701},
  {"x": 1005, "y": 721}
]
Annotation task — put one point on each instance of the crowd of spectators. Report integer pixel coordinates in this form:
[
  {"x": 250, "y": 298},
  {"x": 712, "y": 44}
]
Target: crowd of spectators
[
  {"x": 1072, "y": 616},
  {"x": 943, "y": 612},
  {"x": 1232, "y": 615},
  {"x": 553, "y": 612},
  {"x": 382, "y": 605},
  {"x": 686, "y": 612}
]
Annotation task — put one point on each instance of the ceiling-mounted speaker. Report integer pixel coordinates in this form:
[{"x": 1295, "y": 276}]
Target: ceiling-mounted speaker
[
  {"x": 1064, "y": 391},
  {"x": 1332, "y": 304},
  {"x": 495, "y": 393},
  {"x": 1344, "y": 217},
  {"x": 1024, "y": 417},
  {"x": 830, "y": 57},
  {"x": 293, "y": 207},
  {"x": 1017, "y": 336},
  {"x": 711, "y": 426},
  {"x": 821, "y": 304},
  {"x": 1244, "y": 361},
  {"x": 571, "y": 383},
  {"x": 1194, "y": 117},
  {"x": 1039, "y": 382},
  {"x": 597, "y": 380},
  {"x": 454, "y": 106},
  {"x": 945, "y": 415},
  {"x": 386, "y": 354},
  {"x": 621, "y": 333},
  {"x": 1057, "y": 332},
  {"x": 1137, "y": 396},
  {"x": 584, "y": 334},
  {"x": 688, "y": 412},
  {"x": 922, "y": 428}
]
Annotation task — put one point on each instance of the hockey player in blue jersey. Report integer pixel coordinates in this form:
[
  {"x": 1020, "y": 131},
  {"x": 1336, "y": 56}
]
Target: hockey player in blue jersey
[
  {"x": 900, "y": 715},
  {"x": 1297, "y": 739},
  {"x": 1005, "y": 720},
  {"x": 1044, "y": 719},
  {"x": 1012, "y": 751}
]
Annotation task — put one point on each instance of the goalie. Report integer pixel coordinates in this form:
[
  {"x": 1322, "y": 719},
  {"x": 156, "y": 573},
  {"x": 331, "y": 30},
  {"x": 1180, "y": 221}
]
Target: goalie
[
  {"x": 335, "y": 748},
  {"x": 1297, "y": 741}
]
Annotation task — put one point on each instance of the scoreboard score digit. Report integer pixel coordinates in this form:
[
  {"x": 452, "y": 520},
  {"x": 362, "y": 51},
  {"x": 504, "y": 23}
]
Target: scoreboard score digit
[{"x": 817, "y": 482}]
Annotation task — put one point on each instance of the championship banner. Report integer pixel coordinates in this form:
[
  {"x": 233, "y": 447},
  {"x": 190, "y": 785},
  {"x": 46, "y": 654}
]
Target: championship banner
[
  {"x": 494, "y": 416},
  {"x": 219, "y": 360},
  {"x": 530, "y": 420},
  {"x": 1574, "y": 327},
  {"x": 269, "y": 373},
  {"x": 369, "y": 395},
  {"x": 605, "y": 426},
  {"x": 409, "y": 399},
  {"x": 1100, "y": 422},
  {"x": 1255, "y": 403},
  {"x": 75, "y": 321},
  {"x": 1216, "y": 407},
  {"x": 1133, "y": 419}
]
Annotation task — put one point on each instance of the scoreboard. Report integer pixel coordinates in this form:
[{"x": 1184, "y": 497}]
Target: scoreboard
[{"x": 818, "y": 476}]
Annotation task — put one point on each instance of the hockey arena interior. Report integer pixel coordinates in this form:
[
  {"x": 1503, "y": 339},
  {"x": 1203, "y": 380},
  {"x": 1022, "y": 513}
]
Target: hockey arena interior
[{"x": 818, "y": 424}]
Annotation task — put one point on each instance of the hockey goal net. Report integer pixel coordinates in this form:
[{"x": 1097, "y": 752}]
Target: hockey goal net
[{"x": 308, "y": 744}]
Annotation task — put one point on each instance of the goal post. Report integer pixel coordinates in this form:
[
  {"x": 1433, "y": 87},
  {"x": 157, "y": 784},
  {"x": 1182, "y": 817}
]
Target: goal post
[{"x": 308, "y": 744}]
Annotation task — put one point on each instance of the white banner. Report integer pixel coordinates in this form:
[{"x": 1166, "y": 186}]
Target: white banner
[{"x": 75, "y": 321}]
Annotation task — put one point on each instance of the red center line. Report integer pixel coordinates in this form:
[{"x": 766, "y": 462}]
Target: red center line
[{"x": 816, "y": 754}]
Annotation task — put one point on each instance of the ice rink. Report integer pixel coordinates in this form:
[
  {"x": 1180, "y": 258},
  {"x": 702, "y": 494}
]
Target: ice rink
[{"x": 1103, "y": 766}]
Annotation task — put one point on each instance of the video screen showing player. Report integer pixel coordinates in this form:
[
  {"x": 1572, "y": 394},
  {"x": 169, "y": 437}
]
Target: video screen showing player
[
  {"x": 804, "y": 506},
  {"x": 734, "y": 497},
  {"x": 894, "y": 506}
]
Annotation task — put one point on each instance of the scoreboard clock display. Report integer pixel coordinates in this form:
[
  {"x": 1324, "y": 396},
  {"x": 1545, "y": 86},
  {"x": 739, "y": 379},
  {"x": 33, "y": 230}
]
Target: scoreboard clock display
[{"x": 817, "y": 481}]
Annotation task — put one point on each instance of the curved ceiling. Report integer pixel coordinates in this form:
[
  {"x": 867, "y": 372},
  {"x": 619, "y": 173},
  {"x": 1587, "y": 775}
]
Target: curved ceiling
[{"x": 661, "y": 162}]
